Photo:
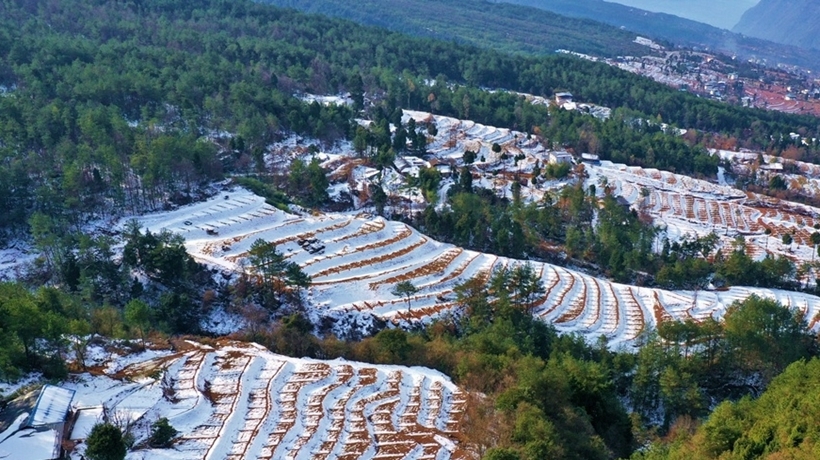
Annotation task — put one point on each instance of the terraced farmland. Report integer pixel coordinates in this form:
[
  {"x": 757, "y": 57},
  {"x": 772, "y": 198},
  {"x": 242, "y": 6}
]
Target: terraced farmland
[
  {"x": 239, "y": 401},
  {"x": 691, "y": 206},
  {"x": 682, "y": 203},
  {"x": 355, "y": 260}
]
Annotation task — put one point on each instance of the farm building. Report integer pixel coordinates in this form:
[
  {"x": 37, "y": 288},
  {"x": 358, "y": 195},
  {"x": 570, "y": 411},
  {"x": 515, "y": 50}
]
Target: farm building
[
  {"x": 444, "y": 169},
  {"x": 52, "y": 407},
  {"x": 563, "y": 98},
  {"x": 84, "y": 420},
  {"x": 560, "y": 157},
  {"x": 410, "y": 165},
  {"x": 590, "y": 158},
  {"x": 772, "y": 167},
  {"x": 39, "y": 435}
]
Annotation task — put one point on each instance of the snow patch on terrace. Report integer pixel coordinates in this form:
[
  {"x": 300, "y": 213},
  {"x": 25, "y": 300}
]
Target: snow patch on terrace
[
  {"x": 13, "y": 256},
  {"x": 340, "y": 99}
]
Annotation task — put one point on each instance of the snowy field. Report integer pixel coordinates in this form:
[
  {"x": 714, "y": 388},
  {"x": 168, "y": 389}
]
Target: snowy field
[{"x": 356, "y": 260}]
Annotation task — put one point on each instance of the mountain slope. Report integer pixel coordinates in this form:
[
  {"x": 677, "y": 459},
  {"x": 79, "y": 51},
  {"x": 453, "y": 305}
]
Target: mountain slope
[
  {"x": 678, "y": 30},
  {"x": 718, "y": 13},
  {"x": 196, "y": 62},
  {"x": 498, "y": 25},
  {"x": 505, "y": 26},
  {"x": 792, "y": 22}
]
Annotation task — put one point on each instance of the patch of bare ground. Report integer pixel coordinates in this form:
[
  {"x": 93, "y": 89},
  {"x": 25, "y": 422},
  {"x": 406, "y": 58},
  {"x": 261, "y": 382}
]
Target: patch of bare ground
[
  {"x": 358, "y": 438},
  {"x": 576, "y": 307},
  {"x": 372, "y": 261},
  {"x": 661, "y": 315},
  {"x": 287, "y": 402},
  {"x": 460, "y": 269},
  {"x": 561, "y": 295},
  {"x": 437, "y": 265},
  {"x": 366, "y": 229},
  {"x": 259, "y": 406},
  {"x": 634, "y": 313}
]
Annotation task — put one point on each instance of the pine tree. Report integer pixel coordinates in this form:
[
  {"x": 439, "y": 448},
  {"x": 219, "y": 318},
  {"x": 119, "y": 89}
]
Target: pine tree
[{"x": 105, "y": 443}]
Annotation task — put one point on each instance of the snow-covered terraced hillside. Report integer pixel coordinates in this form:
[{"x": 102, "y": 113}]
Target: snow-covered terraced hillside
[
  {"x": 697, "y": 207},
  {"x": 240, "y": 401},
  {"x": 455, "y": 136},
  {"x": 356, "y": 260}
]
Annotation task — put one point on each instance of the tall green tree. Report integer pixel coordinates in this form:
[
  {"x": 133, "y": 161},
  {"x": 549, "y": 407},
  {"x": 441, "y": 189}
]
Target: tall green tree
[
  {"x": 138, "y": 316},
  {"x": 308, "y": 182},
  {"x": 105, "y": 442},
  {"x": 276, "y": 274},
  {"x": 405, "y": 289},
  {"x": 765, "y": 336}
]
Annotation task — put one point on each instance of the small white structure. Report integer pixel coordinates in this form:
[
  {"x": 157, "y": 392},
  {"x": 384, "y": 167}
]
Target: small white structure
[
  {"x": 52, "y": 406},
  {"x": 590, "y": 158},
  {"x": 86, "y": 419},
  {"x": 410, "y": 165},
  {"x": 569, "y": 106},
  {"x": 40, "y": 435},
  {"x": 560, "y": 157},
  {"x": 647, "y": 42},
  {"x": 772, "y": 167},
  {"x": 445, "y": 169},
  {"x": 563, "y": 98}
]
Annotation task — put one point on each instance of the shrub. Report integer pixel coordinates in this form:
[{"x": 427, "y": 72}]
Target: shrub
[
  {"x": 105, "y": 443},
  {"x": 162, "y": 433}
]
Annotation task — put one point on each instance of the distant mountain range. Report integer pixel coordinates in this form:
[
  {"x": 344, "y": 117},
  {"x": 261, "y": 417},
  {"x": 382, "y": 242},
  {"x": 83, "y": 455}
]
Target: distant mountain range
[
  {"x": 792, "y": 22},
  {"x": 719, "y": 13},
  {"x": 685, "y": 32},
  {"x": 541, "y": 26}
]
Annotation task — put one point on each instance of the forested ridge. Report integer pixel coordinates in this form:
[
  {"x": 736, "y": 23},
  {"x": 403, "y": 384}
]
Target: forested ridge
[
  {"x": 592, "y": 26},
  {"x": 782, "y": 423},
  {"x": 679, "y": 31},
  {"x": 110, "y": 107},
  {"x": 501, "y": 26}
]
